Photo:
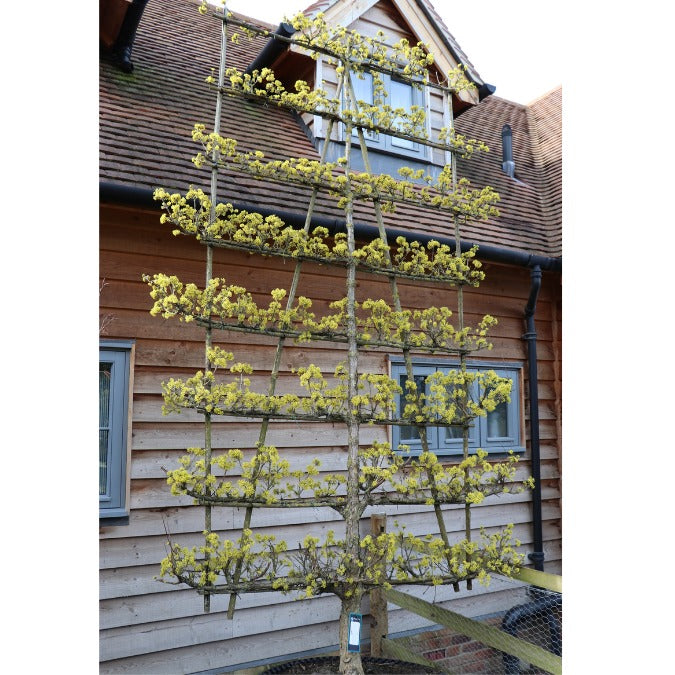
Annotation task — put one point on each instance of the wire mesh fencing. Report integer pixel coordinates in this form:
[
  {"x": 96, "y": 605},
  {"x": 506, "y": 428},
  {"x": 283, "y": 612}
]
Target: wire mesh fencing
[{"x": 532, "y": 615}]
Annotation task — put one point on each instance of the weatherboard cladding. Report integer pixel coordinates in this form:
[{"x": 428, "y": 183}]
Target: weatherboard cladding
[
  {"x": 146, "y": 120},
  {"x": 148, "y": 627}
]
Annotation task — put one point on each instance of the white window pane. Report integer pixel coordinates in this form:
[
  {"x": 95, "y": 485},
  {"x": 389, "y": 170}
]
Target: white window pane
[
  {"x": 401, "y": 96},
  {"x": 497, "y": 422},
  {"x": 105, "y": 373},
  {"x": 363, "y": 88},
  {"x": 453, "y": 433}
]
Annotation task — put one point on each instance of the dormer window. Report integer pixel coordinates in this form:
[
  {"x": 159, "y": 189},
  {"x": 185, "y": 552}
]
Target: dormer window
[
  {"x": 399, "y": 95},
  {"x": 395, "y": 22}
]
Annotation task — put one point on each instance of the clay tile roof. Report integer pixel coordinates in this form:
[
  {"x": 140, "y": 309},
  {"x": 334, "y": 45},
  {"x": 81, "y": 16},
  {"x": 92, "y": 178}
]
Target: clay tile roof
[
  {"x": 146, "y": 119},
  {"x": 546, "y": 129},
  {"x": 529, "y": 219}
]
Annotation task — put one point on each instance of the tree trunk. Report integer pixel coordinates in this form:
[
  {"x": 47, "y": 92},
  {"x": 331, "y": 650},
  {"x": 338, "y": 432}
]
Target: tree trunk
[{"x": 350, "y": 662}]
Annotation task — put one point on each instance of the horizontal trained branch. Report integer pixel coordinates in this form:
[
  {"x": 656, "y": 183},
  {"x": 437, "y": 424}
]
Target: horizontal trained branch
[
  {"x": 407, "y": 63},
  {"x": 387, "y": 559},
  {"x": 262, "y": 87},
  {"x": 338, "y": 502},
  {"x": 450, "y": 398},
  {"x": 303, "y": 336},
  {"x": 441, "y": 193},
  {"x": 385, "y": 478},
  {"x": 231, "y": 308},
  {"x": 251, "y": 231}
]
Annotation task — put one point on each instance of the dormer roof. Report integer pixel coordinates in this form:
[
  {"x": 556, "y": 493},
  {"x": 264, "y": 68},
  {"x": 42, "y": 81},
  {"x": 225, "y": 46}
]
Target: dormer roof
[
  {"x": 417, "y": 17},
  {"x": 423, "y": 21}
]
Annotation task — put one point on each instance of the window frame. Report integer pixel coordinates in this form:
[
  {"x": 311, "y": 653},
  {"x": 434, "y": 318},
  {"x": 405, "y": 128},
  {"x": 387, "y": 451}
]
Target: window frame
[
  {"x": 479, "y": 433},
  {"x": 384, "y": 143},
  {"x": 113, "y": 505}
]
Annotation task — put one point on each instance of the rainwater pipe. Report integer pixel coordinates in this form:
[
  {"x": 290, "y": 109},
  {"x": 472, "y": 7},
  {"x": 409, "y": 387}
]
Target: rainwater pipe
[{"x": 530, "y": 336}]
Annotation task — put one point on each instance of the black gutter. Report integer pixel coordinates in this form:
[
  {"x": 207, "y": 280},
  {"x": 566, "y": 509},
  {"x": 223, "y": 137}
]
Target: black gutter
[
  {"x": 537, "y": 556},
  {"x": 273, "y": 48},
  {"x": 142, "y": 197}
]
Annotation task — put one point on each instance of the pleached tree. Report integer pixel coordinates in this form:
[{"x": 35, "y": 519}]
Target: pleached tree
[{"x": 375, "y": 475}]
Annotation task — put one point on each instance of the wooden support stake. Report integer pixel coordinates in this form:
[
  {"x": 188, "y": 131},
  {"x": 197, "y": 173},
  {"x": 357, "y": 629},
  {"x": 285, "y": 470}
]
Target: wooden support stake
[{"x": 379, "y": 625}]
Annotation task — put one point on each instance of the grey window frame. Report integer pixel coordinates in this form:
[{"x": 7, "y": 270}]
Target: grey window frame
[
  {"x": 479, "y": 436},
  {"x": 113, "y": 507},
  {"x": 384, "y": 143}
]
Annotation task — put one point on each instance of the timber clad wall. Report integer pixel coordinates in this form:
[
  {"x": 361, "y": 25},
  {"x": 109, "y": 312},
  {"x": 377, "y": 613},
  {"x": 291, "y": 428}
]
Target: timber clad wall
[{"x": 150, "y": 627}]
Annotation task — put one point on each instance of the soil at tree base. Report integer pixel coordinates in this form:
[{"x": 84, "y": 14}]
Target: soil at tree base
[{"x": 331, "y": 664}]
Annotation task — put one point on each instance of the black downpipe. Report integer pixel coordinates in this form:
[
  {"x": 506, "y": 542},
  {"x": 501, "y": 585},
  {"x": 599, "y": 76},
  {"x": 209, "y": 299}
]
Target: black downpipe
[
  {"x": 125, "y": 39},
  {"x": 273, "y": 48},
  {"x": 537, "y": 556},
  {"x": 142, "y": 197}
]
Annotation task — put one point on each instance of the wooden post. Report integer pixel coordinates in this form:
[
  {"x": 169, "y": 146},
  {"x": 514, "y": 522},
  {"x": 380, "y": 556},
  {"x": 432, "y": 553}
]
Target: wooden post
[{"x": 379, "y": 625}]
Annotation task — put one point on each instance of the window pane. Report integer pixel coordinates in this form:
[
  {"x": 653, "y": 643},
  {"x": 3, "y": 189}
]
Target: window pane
[
  {"x": 454, "y": 433},
  {"x": 497, "y": 422},
  {"x": 363, "y": 89},
  {"x": 105, "y": 373},
  {"x": 401, "y": 96},
  {"x": 408, "y": 432}
]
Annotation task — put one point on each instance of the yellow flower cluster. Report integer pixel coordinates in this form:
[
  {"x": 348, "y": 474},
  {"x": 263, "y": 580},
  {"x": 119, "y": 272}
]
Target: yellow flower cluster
[
  {"x": 231, "y": 307},
  {"x": 430, "y": 559},
  {"x": 240, "y": 229},
  {"x": 259, "y": 558},
  {"x": 439, "y": 193}
]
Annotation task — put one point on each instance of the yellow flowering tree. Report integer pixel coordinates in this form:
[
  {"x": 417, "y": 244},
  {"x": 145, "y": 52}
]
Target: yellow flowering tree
[{"x": 375, "y": 474}]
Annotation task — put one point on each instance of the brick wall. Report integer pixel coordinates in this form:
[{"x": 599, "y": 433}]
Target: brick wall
[{"x": 455, "y": 652}]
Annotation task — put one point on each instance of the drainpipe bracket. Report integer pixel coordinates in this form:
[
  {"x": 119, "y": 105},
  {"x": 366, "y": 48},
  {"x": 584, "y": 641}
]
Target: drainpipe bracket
[{"x": 537, "y": 557}]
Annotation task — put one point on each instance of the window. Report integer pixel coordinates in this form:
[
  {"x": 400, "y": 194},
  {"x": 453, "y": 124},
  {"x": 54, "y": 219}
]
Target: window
[
  {"x": 114, "y": 376},
  {"x": 399, "y": 95},
  {"x": 497, "y": 432}
]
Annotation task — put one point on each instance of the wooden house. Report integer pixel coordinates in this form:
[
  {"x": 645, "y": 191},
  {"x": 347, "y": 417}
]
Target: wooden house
[{"x": 146, "y": 117}]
